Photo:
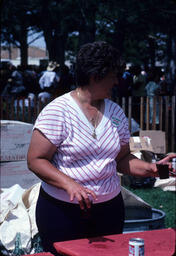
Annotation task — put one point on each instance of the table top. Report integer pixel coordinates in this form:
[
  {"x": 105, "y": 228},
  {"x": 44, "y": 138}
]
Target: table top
[{"x": 159, "y": 242}]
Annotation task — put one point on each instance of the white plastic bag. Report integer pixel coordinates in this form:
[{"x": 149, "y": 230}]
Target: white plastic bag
[{"x": 18, "y": 216}]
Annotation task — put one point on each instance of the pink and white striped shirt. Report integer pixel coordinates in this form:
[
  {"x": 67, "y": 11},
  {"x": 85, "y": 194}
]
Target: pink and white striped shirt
[{"x": 90, "y": 162}]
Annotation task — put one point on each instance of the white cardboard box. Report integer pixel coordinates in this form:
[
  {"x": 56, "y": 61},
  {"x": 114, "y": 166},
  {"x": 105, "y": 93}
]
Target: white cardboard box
[
  {"x": 140, "y": 143},
  {"x": 15, "y": 139},
  {"x": 158, "y": 140},
  {"x": 17, "y": 172}
]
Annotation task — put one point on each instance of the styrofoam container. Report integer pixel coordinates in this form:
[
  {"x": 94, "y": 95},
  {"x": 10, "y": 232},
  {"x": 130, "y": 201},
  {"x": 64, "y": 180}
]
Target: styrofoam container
[
  {"x": 17, "y": 173},
  {"x": 15, "y": 139}
]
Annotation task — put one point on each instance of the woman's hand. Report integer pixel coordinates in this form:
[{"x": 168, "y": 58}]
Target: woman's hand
[
  {"x": 40, "y": 153},
  {"x": 82, "y": 194},
  {"x": 148, "y": 169},
  {"x": 129, "y": 164}
]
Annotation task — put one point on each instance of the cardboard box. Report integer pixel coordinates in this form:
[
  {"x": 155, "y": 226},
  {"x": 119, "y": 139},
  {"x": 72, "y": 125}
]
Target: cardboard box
[
  {"x": 157, "y": 138},
  {"x": 15, "y": 139},
  {"x": 17, "y": 173},
  {"x": 140, "y": 143}
]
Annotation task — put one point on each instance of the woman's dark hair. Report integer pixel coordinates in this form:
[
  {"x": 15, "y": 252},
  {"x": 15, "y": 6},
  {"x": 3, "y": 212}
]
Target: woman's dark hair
[{"x": 97, "y": 59}]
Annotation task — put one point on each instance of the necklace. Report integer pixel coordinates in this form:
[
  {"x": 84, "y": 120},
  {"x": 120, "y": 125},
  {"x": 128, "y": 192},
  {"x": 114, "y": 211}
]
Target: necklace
[{"x": 92, "y": 120}]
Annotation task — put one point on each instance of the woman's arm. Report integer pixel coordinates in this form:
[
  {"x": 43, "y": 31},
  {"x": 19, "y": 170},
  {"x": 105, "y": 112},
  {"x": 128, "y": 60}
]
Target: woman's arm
[
  {"x": 129, "y": 164},
  {"x": 40, "y": 153}
]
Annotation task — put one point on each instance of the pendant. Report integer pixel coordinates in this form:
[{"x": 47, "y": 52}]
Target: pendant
[{"x": 94, "y": 135}]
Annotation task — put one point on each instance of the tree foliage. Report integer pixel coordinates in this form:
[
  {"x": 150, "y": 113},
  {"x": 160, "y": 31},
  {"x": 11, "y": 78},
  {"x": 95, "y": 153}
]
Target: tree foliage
[
  {"x": 143, "y": 31},
  {"x": 15, "y": 25}
]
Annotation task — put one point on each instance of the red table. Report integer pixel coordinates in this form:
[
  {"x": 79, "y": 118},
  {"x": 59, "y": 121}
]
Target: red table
[{"x": 157, "y": 243}]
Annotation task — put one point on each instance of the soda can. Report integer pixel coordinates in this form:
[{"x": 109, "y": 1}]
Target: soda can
[{"x": 136, "y": 247}]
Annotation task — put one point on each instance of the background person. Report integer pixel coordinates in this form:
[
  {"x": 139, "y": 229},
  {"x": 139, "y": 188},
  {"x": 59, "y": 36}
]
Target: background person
[
  {"x": 79, "y": 142},
  {"x": 49, "y": 81}
]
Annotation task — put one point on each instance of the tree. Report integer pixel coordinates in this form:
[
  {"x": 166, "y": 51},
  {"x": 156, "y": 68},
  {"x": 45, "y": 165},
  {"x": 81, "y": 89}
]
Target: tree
[
  {"x": 56, "y": 20},
  {"x": 143, "y": 31},
  {"x": 139, "y": 28},
  {"x": 15, "y": 25},
  {"x": 87, "y": 11}
]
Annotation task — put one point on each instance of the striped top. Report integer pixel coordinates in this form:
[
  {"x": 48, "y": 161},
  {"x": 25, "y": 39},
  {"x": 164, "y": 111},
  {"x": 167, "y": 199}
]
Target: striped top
[{"x": 90, "y": 162}]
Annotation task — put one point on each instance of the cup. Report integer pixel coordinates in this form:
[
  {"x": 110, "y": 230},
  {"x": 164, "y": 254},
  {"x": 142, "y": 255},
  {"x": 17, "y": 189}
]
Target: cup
[{"x": 163, "y": 170}]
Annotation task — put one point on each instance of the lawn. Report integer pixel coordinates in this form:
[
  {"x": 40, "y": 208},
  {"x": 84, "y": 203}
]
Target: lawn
[{"x": 159, "y": 199}]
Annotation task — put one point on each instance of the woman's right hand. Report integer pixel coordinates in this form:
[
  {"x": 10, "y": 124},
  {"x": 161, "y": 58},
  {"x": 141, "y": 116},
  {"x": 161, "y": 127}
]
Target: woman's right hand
[
  {"x": 82, "y": 194},
  {"x": 40, "y": 153}
]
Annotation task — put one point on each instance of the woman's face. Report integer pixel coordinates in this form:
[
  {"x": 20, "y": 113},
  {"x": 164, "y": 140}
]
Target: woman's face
[{"x": 103, "y": 88}]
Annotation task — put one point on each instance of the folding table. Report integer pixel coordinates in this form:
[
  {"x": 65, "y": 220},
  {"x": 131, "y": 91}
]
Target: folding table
[{"x": 159, "y": 242}]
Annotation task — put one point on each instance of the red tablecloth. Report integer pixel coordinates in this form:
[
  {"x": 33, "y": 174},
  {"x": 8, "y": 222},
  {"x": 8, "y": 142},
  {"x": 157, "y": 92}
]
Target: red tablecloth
[{"x": 157, "y": 243}]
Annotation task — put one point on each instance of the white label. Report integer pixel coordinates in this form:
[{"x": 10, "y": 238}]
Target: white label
[{"x": 136, "y": 139}]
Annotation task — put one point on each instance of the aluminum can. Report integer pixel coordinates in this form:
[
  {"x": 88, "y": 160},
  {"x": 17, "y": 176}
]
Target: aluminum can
[{"x": 136, "y": 247}]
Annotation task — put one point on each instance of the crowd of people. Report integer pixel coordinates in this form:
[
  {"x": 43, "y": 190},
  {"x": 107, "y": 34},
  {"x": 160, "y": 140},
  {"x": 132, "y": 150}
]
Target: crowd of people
[
  {"x": 139, "y": 82},
  {"x": 42, "y": 82},
  {"x": 35, "y": 81}
]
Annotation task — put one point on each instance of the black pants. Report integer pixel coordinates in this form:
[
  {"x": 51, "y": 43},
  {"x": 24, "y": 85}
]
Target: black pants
[{"x": 60, "y": 221}]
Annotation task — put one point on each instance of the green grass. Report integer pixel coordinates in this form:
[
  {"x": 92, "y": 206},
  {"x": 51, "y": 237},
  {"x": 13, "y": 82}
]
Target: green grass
[{"x": 159, "y": 199}]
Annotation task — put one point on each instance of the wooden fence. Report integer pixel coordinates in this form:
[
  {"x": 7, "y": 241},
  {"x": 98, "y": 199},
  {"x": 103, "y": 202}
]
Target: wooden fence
[{"x": 157, "y": 113}]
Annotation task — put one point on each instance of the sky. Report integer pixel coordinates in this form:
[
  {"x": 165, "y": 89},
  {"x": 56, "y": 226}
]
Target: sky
[{"x": 39, "y": 42}]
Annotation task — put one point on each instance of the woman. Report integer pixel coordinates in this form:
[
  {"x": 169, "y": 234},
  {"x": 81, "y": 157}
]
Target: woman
[{"x": 79, "y": 141}]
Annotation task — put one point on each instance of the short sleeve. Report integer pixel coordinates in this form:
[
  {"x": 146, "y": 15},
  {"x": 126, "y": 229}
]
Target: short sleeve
[
  {"x": 51, "y": 123},
  {"x": 123, "y": 129}
]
